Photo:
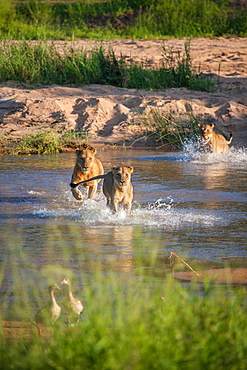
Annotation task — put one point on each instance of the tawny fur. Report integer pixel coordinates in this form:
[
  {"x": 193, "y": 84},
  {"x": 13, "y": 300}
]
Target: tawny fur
[
  {"x": 117, "y": 187},
  {"x": 216, "y": 143},
  {"x": 87, "y": 166}
]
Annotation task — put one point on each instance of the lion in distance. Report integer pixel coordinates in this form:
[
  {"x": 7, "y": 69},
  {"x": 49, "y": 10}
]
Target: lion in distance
[{"x": 216, "y": 143}]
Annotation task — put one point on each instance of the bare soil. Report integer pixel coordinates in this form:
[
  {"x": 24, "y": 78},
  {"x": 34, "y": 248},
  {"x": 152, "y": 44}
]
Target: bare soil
[{"x": 112, "y": 115}]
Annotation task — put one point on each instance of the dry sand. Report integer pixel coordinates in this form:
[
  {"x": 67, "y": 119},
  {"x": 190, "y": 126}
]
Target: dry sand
[{"x": 111, "y": 115}]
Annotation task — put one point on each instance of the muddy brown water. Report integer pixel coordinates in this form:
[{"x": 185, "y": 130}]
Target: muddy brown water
[{"x": 188, "y": 202}]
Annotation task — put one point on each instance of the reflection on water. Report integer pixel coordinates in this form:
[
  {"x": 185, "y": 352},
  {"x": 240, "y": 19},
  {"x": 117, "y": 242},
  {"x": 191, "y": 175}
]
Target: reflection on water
[
  {"x": 215, "y": 176},
  {"x": 188, "y": 202}
]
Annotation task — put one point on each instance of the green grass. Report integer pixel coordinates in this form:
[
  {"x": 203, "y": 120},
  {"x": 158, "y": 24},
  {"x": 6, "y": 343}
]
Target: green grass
[
  {"x": 33, "y": 19},
  {"x": 43, "y": 63},
  {"x": 137, "y": 320},
  {"x": 141, "y": 326},
  {"x": 171, "y": 128},
  {"x": 47, "y": 142}
]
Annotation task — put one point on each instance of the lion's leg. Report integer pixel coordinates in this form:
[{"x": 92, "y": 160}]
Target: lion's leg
[
  {"x": 127, "y": 207},
  {"x": 92, "y": 190},
  {"x": 76, "y": 193},
  {"x": 114, "y": 206},
  {"x": 111, "y": 204},
  {"x": 225, "y": 148}
]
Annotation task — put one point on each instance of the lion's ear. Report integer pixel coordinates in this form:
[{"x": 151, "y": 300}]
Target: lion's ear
[
  {"x": 114, "y": 169},
  {"x": 212, "y": 125},
  {"x": 131, "y": 169}
]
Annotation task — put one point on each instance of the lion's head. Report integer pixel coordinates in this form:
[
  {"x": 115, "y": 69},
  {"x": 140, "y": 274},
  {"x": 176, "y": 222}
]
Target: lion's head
[
  {"x": 207, "y": 131},
  {"x": 122, "y": 176},
  {"x": 85, "y": 157}
]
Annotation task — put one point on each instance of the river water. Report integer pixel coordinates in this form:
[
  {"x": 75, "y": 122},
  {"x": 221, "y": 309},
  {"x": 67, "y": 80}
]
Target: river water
[{"x": 191, "y": 203}]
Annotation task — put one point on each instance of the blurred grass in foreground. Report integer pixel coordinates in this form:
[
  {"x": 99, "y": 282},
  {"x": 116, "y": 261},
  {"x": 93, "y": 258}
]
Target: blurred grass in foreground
[
  {"x": 127, "y": 323},
  {"x": 164, "y": 327}
]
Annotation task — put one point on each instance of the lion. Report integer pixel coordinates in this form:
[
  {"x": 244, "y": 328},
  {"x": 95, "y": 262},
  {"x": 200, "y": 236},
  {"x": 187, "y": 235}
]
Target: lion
[
  {"x": 117, "y": 187},
  {"x": 87, "y": 166},
  {"x": 216, "y": 143}
]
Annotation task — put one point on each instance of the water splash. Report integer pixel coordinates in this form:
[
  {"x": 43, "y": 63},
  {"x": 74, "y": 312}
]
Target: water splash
[
  {"x": 33, "y": 192},
  {"x": 161, "y": 204},
  {"x": 160, "y": 213},
  {"x": 192, "y": 151}
]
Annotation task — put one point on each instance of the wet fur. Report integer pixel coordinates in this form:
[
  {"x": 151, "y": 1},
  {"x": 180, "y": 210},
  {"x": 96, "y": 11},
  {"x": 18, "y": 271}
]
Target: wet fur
[
  {"x": 117, "y": 187},
  {"x": 87, "y": 166}
]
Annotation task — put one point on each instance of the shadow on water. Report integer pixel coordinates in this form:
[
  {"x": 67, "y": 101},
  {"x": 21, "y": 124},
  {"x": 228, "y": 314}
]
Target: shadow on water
[{"x": 27, "y": 199}]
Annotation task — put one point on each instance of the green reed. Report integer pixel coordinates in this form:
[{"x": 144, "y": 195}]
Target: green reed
[
  {"x": 45, "y": 63},
  {"x": 34, "y": 19},
  {"x": 126, "y": 323},
  {"x": 169, "y": 127}
]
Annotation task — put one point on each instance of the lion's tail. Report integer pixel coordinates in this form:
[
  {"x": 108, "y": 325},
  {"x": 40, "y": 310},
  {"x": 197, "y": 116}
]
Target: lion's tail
[
  {"x": 230, "y": 139},
  {"x": 73, "y": 185}
]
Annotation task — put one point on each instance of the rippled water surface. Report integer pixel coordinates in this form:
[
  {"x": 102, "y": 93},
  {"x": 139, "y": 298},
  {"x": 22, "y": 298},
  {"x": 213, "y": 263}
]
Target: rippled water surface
[{"x": 191, "y": 203}]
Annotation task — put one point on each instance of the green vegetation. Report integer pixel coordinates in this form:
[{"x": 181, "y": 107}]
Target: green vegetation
[
  {"x": 98, "y": 19},
  {"x": 140, "y": 330},
  {"x": 175, "y": 130},
  {"x": 47, "y": 142},
  {"x": 141, "y": 325},
  {"x": 43, "y": 63},
  {"x": 135, "y": 316},
  {"x": 171, "y": 128}
]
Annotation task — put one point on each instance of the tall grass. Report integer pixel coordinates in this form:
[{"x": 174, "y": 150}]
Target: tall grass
[
  {"x": 126, "y": 323},
  {"x": 170, "y": 127},
  {"x": 33, "y": 19},
  {"x": 43, "y": 63}
]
